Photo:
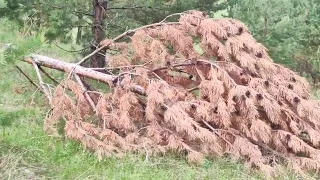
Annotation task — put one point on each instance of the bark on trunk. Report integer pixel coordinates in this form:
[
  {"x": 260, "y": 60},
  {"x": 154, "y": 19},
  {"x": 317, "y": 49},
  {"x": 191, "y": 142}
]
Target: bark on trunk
[
  {"x": 79, "y": 35},
  {"x": 79, "y": 32},
  {"x": 99, "y": 7},
  {"x": 70, "y": 67},
  {"x": 79, "y": 70}
]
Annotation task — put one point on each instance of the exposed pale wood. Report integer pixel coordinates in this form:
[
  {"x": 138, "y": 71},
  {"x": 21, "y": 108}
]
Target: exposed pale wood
[
  {"x": 69, "y": 67},
  {"x": 77, "y": 69},
  {"x": 93, "y": 106},
  {"x": 42, "y": 84}
]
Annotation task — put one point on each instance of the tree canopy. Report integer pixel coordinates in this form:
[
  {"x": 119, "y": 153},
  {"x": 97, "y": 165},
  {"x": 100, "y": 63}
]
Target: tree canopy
[
  {"x": 58, "y": 17},
  {"x": 289, "y": 29}
]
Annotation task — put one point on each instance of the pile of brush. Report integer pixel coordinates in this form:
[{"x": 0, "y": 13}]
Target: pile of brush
[{"x": 200, "y": 87}]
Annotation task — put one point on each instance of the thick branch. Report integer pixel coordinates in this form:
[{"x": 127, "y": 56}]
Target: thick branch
[
  {"x": 85, "y": 92},
  {"x": 42, "y": 85},
  {"x": 74, "y": 68},
  {"x": 69, "y": 67}
]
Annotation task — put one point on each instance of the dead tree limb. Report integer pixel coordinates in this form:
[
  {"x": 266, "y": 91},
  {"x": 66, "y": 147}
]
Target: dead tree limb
[
  {"x": 25, "y": 75},
  {"x": 130, "y": 32},
  {"x": 77, "y": 69},
  {"x": 48, "y": 75},
  {"x": 93, "y": 106},
  {"x": 103, "y": 46},
  {"x": 42, "y": 84},
  {"x": 69, "y": 67}
]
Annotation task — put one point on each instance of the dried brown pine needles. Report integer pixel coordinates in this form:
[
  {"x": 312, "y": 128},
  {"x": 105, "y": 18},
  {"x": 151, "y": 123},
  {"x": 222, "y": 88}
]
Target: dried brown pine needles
[{"x": 166, "y": 96}]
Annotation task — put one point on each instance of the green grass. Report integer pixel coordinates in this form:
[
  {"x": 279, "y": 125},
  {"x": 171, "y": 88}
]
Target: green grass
[
  {"x": 316, "y": 93},
  {"x": 26, "y": 152}
]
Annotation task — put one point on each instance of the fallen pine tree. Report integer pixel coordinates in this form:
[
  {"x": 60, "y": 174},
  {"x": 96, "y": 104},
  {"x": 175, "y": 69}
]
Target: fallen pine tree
[{"x": 165, "y": 95}]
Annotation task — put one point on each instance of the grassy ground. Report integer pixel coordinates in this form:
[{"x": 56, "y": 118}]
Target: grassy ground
[{"x": 27, "y": 153}]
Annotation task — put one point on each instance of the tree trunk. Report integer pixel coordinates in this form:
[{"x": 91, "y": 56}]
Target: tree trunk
[
  {"x": 265, "y": 26},
  {"x": 79, "y": 35},
  {"x": 99, "y": 7},
  {"x": 79, "y": 32}
]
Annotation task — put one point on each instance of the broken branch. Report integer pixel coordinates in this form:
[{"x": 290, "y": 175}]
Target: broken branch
[
  {"x": 25, "y": 75},
  {"x": 48, "y": 75},
  {"x": 77, "y": 69},
  {"x": 85, "y": 92},
  {"x": 121, "y": 36},
  {"x": 42, "y": 84}
]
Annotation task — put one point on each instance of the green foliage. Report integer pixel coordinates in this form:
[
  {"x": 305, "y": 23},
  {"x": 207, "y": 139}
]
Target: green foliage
[
  {"x": 152, "y": 11},
  {"x": 60, "y": 19},
  {"x": 11, "y": 51},
  {"x": 288, "y": 28},
  {"x": 2, "y": 56},
  {"x": 3, "y": 4},
  {"x": 29, "y": 45},
  {"x": 54, "y": 17}
]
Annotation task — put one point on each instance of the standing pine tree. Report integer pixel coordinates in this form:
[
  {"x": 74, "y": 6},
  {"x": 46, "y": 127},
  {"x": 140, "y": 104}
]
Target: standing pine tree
[{"x": 98, "y": 30}]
